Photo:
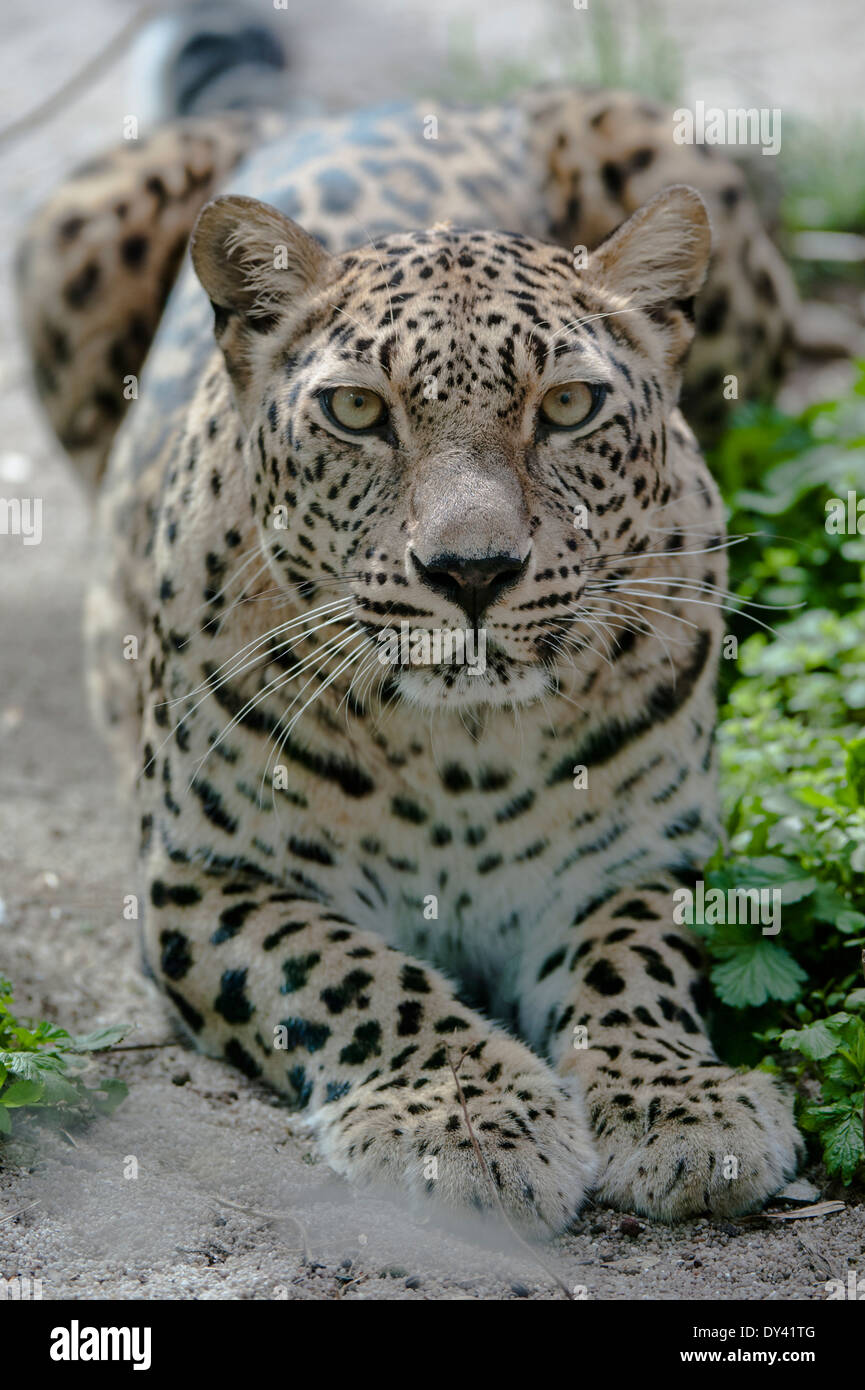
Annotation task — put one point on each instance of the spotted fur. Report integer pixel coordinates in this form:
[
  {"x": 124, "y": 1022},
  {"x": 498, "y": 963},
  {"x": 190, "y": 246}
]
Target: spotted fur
[{"x": 453, "y": 901}]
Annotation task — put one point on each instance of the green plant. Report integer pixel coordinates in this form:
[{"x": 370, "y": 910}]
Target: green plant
[
  {"x": 777, "y": 472},
  {"x": 824, "y": 182},
  {"x": 42, "y": 1069},
  {"x": 792, "y": 753},
  {"x": 833, "y": 1049}
]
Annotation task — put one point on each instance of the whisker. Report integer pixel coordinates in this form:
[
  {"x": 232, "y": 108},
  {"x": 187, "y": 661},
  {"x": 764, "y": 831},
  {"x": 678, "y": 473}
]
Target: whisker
[
  {"x": 333, "y": 606},
  {"x": 352, "y": 657},
  {"x": 568, "y": 641},
  {"x": 598, "y": 629},
  {"x": 611, "y": 559},
  {"x": 276, "y": 684},
  {"x": 662, "y": 612},
  {"x": 219, "y": 617},
  {"x": 604, "y": 613},
  {"x": 557, "y": 640},
  {"x": 284, "y": 737},
  {"x": 674, "y": 581},
  {"x": 675, "y": 501},
  {"x": 702, "y": 602},
  {"x": 645, "y": 625},
  {"x": 648, "y": 624},
  {"x": 247, "y": 559},
  {"x": 590, "y": 318},
  {"x": 274, "y": 593},
  {"x": 683, "y": 530},
  {"x": 365, "y": 326},
  {"x": 362, "y": 669},
  {"x": 210, "y": 688}
]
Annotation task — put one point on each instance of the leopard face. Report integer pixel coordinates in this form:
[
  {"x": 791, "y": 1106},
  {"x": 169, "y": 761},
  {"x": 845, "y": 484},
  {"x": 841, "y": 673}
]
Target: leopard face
[{"x": 456, "y": 426}]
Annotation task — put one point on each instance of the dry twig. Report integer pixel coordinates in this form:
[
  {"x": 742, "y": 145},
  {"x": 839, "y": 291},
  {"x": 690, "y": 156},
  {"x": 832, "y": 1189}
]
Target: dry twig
[
  {"x": 551, "y": 1273},
  {"x": 20, "y": 1212},
  {"x": 268, "y": 1216}
]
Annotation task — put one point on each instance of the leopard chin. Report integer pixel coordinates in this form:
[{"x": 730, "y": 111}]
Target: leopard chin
[{"x": 502, "y": 684}]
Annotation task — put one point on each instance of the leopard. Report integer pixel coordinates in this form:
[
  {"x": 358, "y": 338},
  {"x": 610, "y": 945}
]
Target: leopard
[{"x": 348, "y": 378}]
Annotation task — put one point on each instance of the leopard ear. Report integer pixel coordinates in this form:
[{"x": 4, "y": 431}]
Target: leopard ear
[
  {"x": 254, "y": 263},
  {"x": 661, "y": 254},
  {"x": 657, "y": 261},
  {"x": 251, "y": 258}
]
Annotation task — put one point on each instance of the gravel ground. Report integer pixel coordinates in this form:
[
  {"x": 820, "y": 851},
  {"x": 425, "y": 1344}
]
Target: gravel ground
[{"x": 228, "y": 1201}]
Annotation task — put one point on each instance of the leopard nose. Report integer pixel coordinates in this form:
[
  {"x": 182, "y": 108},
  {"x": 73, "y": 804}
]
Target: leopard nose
[{"x": 473, "y": 584}]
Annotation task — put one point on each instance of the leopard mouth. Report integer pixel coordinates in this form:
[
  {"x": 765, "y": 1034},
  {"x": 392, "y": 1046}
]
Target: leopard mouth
[
  {"x": 502, "y": 682},
  {"x": 447, "y": 667}
]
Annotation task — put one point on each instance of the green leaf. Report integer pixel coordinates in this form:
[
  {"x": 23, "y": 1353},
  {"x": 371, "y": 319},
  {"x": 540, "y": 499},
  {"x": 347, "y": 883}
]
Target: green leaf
[
  {"x": 102, "y": 1038},
  {"x": 757, "y": 971},
  {"x": 830, "y": 905},
  {"x": 60, "y": 1091},
  {"x": 32, "y": 1065},
  {"x": 26, "y": 1064},
  {"x": 21, "y": 1092},
  {"x": 839, "y": 1068},
  {"x": 816, "y": 1041},
  {"x": 856, "y": 769},
  {"x": 795, "y": 889},
  {"x": 111, "y": 1093},
  {"x": 843, "y": 1142},
  {"x": 40, "y": 1066},
  {"x": 853, "y": 1034}
]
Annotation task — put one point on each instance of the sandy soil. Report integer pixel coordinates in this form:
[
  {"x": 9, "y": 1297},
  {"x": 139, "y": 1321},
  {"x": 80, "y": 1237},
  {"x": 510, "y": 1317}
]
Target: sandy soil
[{"x": 229, "y": 1201}]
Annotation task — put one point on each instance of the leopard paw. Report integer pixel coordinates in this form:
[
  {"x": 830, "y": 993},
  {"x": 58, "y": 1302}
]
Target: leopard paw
[
  {"x": 424, "y": 1133},
  {"x": 693, "y": 1140}
]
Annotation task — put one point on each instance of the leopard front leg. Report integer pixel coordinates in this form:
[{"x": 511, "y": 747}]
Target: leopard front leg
[
  {"x": 366, "y": 1040},
  {"x": 678, "y": 1132}
]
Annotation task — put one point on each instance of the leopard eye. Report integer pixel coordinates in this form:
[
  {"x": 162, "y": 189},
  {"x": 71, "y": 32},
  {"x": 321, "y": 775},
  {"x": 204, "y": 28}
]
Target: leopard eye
[
  {"x": 571, "y": 404},
  {"x": 353, "y": 408}
]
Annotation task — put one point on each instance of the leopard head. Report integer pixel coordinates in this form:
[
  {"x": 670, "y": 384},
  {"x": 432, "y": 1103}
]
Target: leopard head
[{"x": 454, "y": 428}]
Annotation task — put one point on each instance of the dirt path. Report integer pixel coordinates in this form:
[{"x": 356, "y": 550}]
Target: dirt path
[{"x": 203, "y": 1138}]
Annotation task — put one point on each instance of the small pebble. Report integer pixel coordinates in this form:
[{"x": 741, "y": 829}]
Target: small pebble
[
  {"x": 629, "y": 1227},
  {"x": 180, "y": 1078},
  {"x": 520, "y": 1290},
  {"x": 413, "y": 1281}
]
